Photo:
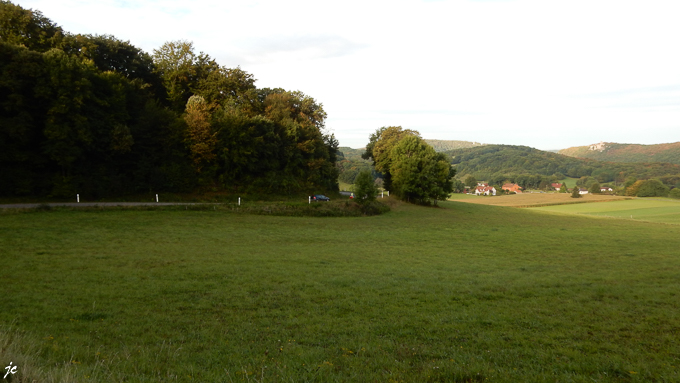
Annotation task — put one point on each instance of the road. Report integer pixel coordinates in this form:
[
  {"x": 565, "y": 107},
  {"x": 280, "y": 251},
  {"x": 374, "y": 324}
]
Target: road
[{"x": 89, "y": 204}]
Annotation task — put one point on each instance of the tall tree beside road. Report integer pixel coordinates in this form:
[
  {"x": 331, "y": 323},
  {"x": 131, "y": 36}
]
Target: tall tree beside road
[
  {"x": 416, "y": 173},
  {"x": 380, "y": 146},
  {"x": 419, "y": 174}
]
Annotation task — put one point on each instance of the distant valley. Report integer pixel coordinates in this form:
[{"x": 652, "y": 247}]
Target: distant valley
[{"x": 604, "y": 162}]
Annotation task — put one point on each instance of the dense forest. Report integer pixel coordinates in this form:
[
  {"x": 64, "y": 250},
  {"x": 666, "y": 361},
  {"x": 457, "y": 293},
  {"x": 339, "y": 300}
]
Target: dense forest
[
  {"x": 531, "y": 167},
  {"x": 98, "y": 116},
  {"x": 614, "y": 152}
]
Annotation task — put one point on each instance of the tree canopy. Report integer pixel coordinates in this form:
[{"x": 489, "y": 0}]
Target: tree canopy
[
  {"x": 380, "y": 146},
  {"x": 97, "y": 116},
  {"x": 413, "y": 170}
]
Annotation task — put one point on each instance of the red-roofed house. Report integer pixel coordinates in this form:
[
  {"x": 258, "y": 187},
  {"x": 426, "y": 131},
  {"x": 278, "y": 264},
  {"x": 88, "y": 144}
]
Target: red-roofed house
[
  {"x": 512, "y": 188},
  {"x": 556, "y": 186}
]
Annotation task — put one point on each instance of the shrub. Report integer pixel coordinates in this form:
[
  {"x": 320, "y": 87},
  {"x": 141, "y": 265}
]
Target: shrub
[
  {"x": 652, "y": 188},
  {"x": 365, "y": 190}
]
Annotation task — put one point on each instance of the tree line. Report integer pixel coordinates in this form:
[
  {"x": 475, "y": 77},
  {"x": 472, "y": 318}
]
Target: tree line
[{"x": 98, "y": 116}]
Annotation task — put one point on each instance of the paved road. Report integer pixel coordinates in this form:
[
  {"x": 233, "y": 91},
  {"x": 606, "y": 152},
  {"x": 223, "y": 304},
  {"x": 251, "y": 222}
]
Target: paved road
[{"x": 89, "y": 204}]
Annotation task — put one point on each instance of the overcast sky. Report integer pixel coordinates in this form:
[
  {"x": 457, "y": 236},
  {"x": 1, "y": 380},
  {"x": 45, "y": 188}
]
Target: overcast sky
[{"x": 546, "y": 74}]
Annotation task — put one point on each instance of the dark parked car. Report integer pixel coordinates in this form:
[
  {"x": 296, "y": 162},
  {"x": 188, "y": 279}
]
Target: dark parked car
[{"x": 320, "y": 197}]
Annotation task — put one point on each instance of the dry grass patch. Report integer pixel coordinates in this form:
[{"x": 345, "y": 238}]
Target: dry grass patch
[{"x": 535, "y": 199}]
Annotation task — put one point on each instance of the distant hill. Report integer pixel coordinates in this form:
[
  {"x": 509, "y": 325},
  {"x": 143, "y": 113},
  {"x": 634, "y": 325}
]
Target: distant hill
[
  {"x": 444, "y": 145},
  {"x": 610, "y": 151},
  {"x": 438, "y": 145},
  {"x": 351, "y": 164},
  {"x": 496, "y": 161},
  {"x": 351, "y": 154}
]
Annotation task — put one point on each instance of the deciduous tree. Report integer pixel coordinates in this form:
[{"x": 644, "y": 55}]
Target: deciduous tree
[
  {"x": 470, "y": 181},
  {"x": 29, "y": 28},
  {"x": 182, "y": 71},
  {"x": 380, "y": 147},
  {"x": 199, "y": 136},
  {"x": 365, "y": 190},
  {"x": 652, "y": 188},
  {"x": 675, "y": 193},
  {"x": 595, "y": 188},
  {"x": 419, "y": 174}
]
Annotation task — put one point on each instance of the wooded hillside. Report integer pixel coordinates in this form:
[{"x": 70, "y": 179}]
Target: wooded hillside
[
  {"x": 496, "y": 163},
  {"x": 350, "y": 164},
  {"x": 98, "y": 116},
  {"x": 444, "y": 145},
  {"x": 614, "y": 152}
]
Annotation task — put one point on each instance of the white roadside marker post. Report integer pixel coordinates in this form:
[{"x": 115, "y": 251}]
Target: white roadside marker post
[
  {"x": 156, "y": 197},
  {"x": 239, "y": 201},
  {"x": 78, "y": 198}
]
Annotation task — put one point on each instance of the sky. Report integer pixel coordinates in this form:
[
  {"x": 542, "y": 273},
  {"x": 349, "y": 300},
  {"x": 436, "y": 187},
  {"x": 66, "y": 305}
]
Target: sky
[{"x": 546, "y": 74}]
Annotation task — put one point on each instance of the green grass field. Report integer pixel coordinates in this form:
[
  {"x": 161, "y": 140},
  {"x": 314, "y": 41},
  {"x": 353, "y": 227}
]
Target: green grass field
[
  {"x": 345, "y": 186},
  {"x": 461, "y": 293},
  {"x": 663, "y": 210},
  {"x": 571, "y": 182}
]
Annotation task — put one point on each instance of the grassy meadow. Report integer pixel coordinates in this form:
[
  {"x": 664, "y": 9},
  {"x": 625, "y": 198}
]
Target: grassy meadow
[
  {"x": 664, "y": 210},
  {"x": 571, "y": 182},
  {"x": 659, "y": 210},
  {"x": 460, "y": 293}
]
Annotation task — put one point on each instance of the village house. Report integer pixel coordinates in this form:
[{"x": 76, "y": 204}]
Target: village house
[
  {"x": 479, "y": 184},
  {"x": 605, "y": 189},
  {"x": 512, "y": 188},
  {"x": 556, "y": 186},
  {"x": 485, "y": 190},
  {"x": 582, "y": 191}
]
